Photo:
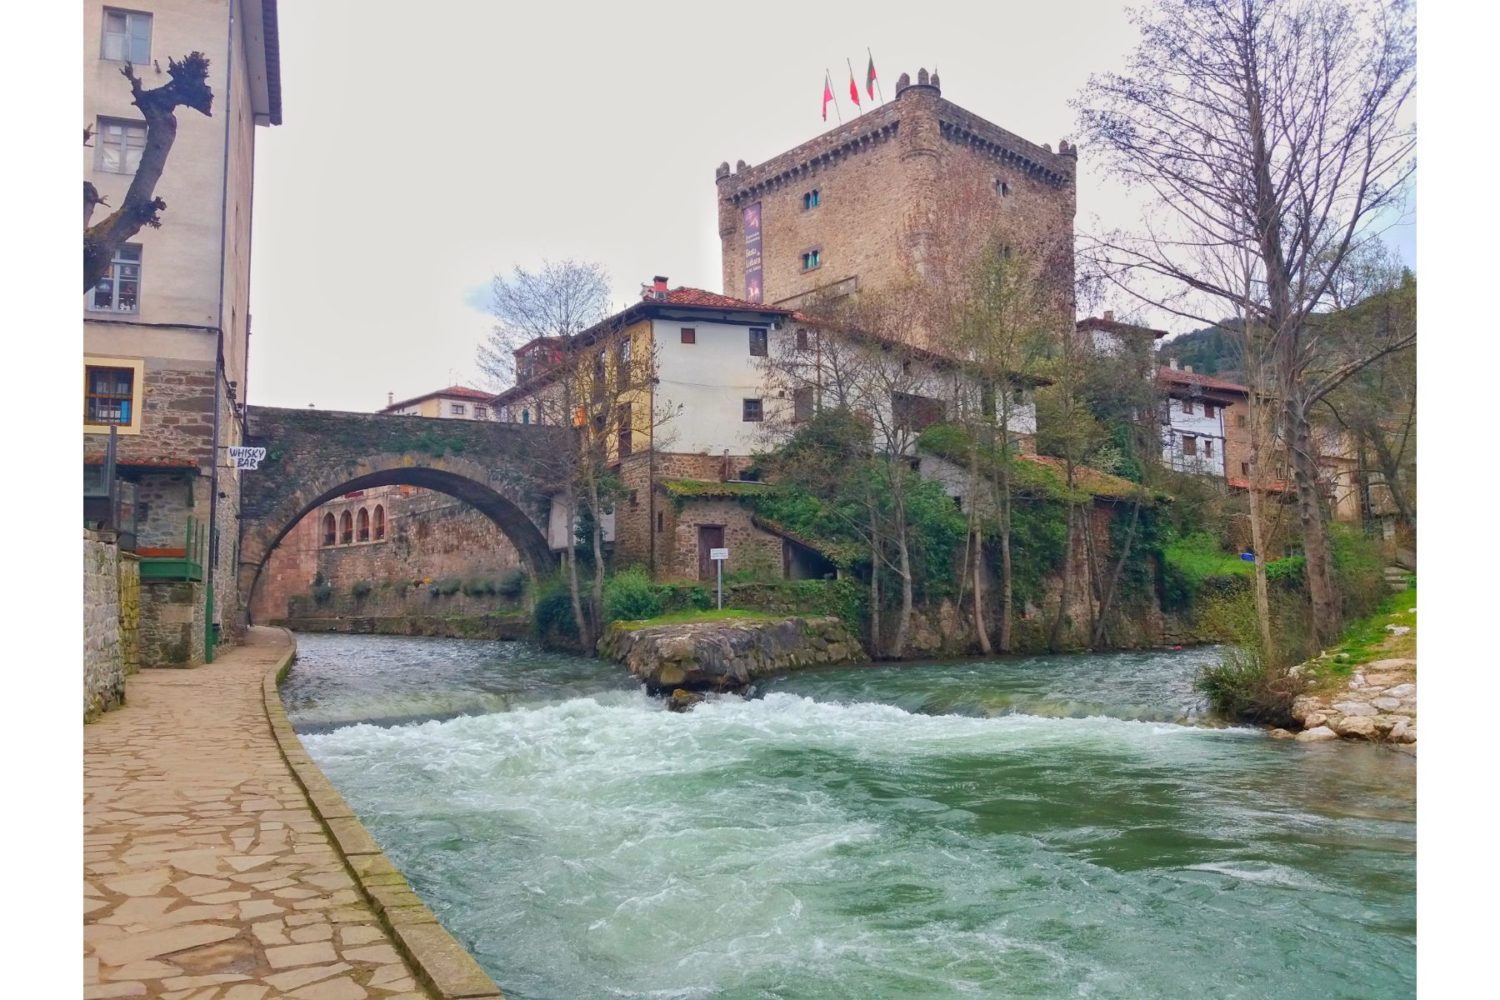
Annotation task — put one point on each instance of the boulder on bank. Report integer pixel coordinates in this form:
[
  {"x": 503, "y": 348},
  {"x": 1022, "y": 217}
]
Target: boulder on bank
[{"x": 727, "y": 654}]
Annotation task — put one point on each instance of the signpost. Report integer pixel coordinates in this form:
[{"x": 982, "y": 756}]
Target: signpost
[
  {"x": 718, "y": 556},
  {"x": 246, "y": 458}
]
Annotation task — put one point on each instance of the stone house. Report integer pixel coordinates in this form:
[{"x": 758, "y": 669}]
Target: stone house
[
  {"x": 456, "y": 402},
  {"x": 166, "y": 330}
]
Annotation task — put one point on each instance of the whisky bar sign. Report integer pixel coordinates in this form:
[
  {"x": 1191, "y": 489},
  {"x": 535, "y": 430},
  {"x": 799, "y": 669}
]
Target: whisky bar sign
[
  {"x": 246, "y": 458},
  {"x": 752, "y": 253}
]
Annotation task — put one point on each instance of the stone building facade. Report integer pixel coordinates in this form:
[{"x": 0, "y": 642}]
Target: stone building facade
[
  {"x": 166, "y": 331},
  {"x": 859, "y": 206},
  {"x": 382, "y": 538}
]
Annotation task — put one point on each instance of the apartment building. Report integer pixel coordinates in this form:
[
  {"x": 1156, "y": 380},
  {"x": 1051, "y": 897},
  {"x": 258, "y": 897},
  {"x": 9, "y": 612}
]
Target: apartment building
[{"x": 166, "y": 330}]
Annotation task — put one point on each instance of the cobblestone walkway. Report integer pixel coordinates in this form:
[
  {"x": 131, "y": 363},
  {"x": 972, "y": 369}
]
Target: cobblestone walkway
[{"x": 205, "y": 874}]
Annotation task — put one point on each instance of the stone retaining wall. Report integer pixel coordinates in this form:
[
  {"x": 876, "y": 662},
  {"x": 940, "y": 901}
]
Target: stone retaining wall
[
  {"x": 728, "y": 655},
  {"x": 103, "y": 655},
  {"x": 478, "y": 626}
]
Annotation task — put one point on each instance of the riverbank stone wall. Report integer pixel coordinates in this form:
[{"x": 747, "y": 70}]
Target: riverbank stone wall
[{"x": 727, "y": 655}]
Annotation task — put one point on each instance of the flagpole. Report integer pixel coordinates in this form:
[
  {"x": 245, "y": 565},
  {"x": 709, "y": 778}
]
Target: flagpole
[
  {"x": 878, "y": 88},
  {"x": 828, "y": 82},
  {"x": 850, "y": 63}
]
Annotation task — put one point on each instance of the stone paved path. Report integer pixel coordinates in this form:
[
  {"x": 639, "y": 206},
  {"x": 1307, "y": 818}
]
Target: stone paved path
[{"x": 205, "y": 874}]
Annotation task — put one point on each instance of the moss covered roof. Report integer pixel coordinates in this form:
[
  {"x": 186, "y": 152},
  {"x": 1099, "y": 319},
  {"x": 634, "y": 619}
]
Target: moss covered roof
[{"x": 707, "y": 489}]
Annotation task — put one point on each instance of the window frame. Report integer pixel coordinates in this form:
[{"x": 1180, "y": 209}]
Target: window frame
[
  {"x": 763, "y": 341},
  {"x": 804, "y": 404},
  {"x": 812, "y": 259},
  {"x": 481, "y": 412},
  {"x": 811, "y": 199},
  {"x": 746, "y": 411},
  {"x": 457, "y": 409},
  {"x": 1187, "y": 407},
  {"x": 114, "y": 280},
  {"x": 1208, "y": 410},
  {"x": 126, "y": 125},
  {"x": 689, "y": 334},
  {"x": 129, "y": 15},
  {"x": 137, "y": 367},
  {"x": 1190, "y": 446}
]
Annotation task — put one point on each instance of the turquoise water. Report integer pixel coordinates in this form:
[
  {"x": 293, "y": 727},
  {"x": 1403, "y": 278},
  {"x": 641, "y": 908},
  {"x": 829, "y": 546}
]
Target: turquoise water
[{"x": 1030, "y": 827}]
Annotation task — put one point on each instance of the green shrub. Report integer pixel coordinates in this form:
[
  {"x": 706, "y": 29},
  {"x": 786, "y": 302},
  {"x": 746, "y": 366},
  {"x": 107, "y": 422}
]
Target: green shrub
[
  {"x": 322, "y": 590},
  {"x": 1359, "y": 571},
  {"x": 630, "y": 596},
  {"x": 553, "y": 616},
  {"x": 479, "y": 586},
  {"x": 1250, "y": 684},
  {"x": 1288, "y": 571},
  {"x": 445, "y": 587},
  {"x": 362, "y": 589},
  {"x": 511, "y": 583}
]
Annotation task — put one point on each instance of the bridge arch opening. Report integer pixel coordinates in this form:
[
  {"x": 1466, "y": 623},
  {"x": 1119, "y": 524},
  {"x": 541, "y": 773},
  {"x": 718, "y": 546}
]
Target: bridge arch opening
[{"x": 260, "y": 540}]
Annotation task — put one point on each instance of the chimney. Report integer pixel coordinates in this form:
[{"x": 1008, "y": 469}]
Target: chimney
[
  {"x": 659, "y": 284},
  {"x": 1109, "y": 315},
  {"x": 390, "y": 399},
  {"x": 1173, "y": 363},
  {"x": 1188, "y": 369}
]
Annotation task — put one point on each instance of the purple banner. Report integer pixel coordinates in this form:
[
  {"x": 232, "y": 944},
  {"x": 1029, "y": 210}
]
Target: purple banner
[{"x": 752, "y": 253}]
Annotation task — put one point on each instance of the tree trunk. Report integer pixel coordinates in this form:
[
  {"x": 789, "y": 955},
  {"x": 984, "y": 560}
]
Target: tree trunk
[
  {"x": 980, "y": 628},
  {"x": 596, "y": 604},
  {"x": 1114, "y": 578},
  {"x": 1321, "y": 586},
  {"x": 1054, "y": 640},
  {"x": 1257, "y": 531},
  {"x": 903, "y": 624},
  {"x": 1007, "y": 574},
  {"x": 570, "y": 559},
  {"x": 876, "y": 643}
]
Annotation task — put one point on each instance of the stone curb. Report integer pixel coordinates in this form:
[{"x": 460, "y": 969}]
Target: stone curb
[{"x": 440, "y": 962}]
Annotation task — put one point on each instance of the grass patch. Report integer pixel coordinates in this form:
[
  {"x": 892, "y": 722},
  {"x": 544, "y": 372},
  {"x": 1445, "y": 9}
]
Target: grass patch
[
  {"x": 691, "y": 617},
  {"x": 1368, "y": 639}
]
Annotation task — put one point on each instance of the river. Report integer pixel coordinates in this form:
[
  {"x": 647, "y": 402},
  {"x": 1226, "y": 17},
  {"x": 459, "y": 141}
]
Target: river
[{"x": 1039, "y": 827}]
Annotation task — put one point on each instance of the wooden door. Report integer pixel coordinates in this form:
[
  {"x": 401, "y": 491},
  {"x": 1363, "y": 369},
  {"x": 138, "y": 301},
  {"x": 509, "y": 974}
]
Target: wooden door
[{"x": 710, "y": 536}]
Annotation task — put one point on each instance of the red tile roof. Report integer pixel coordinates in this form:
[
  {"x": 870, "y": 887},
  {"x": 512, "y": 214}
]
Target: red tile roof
[
  {"x": 1114, "y": 326},
  {"x": 454, "y": 391},
  {"x": 684, "y": 296},
  {"x": 1177, "y": 376}
]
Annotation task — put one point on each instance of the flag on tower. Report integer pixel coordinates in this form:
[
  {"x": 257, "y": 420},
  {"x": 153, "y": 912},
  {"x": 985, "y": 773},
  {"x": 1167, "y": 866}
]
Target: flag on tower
[
  {"x": 853, "y": 86},
  {"x": 870, "y": 79},
  {"x": 827, "y": 94}
]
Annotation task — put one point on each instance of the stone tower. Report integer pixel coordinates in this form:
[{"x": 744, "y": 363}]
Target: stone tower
[{"x": 859, "y": 206}]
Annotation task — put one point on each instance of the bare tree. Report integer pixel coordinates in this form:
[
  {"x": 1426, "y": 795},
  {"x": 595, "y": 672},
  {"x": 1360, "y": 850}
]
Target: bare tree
[
  {"x": 1272, "y": 132},
  {"x": 559, "y": 299},
  {"x": 188, "y": 88}
]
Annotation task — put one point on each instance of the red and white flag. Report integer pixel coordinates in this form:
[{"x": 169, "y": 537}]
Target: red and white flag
[
  {"x": 853, "y": 86},
  {"x": 870, "y": 79},
  {"x": 827, "y": 95}
]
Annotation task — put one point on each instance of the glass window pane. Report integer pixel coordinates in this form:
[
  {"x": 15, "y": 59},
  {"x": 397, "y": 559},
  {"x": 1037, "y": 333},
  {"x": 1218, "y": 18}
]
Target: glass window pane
[
  {"x": 114, "y": 47},
  {"x": 104, "y": 293},
  {"x": 114, "y": 21},
  {"x": 132, "y": 160},
  {"x": 140, "y": 51},
  {"x": 109, "y": 159},
  {"x": 128, "y": 253}
]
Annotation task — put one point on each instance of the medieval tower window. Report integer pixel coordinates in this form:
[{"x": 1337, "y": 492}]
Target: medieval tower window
[
  {"x": 1002, "y": 189},
  {"x": 379, "y": 522},
  {"x": 812, "y": 259},
  {"x": 364, "y": 525},
  {"x": 346, "y": 529},
  {"x": 330, "y": 530},
  {"x": 811, "y": 199}
]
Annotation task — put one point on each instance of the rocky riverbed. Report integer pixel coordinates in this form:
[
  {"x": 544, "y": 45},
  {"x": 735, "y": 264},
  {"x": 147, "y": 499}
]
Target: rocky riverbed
[
  {"x": 1379, "y": 703},
  {"x": 727, "y": 654}
]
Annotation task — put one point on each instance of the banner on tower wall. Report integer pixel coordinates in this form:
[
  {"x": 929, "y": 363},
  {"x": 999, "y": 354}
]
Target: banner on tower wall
[{"x": 752, "y": 253}]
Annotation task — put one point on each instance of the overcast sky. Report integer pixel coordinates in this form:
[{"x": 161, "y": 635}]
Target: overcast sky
[{"x": 427, "y": 147}]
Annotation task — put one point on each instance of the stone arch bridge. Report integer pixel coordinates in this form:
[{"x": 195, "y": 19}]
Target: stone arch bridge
[{"x": 313, "y": 456}]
